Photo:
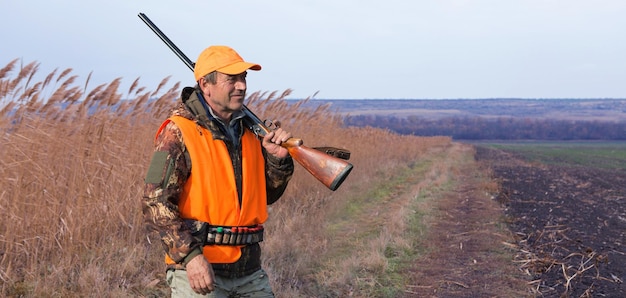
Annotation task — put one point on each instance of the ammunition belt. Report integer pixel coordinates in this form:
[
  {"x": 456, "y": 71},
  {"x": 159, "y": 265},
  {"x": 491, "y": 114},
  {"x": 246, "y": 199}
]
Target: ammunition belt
[{"x": 234, "y": 235}]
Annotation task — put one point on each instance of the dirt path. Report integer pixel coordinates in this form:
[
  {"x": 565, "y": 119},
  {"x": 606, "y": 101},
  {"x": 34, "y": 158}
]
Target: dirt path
[{"x": 468, "y": 254}]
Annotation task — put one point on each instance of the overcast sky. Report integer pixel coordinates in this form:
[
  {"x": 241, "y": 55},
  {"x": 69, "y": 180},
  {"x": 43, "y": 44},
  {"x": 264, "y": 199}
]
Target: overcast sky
[{"x": 420, "y": 49}]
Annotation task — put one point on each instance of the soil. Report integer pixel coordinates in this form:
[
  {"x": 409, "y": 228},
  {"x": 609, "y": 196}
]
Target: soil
[
  {"x": 565, "y": 226},
  {"x": 569, "y": 222}
]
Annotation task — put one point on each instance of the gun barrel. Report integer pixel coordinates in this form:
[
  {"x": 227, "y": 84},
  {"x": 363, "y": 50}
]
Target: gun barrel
[{"x": 167, "y": 41}]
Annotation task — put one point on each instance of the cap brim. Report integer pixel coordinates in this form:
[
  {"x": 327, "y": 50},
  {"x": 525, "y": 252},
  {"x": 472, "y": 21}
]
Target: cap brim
[{"x": 238, "y": 68}]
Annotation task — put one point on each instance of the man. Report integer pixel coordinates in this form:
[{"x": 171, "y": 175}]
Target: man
[{"x": 210, "y": 181}]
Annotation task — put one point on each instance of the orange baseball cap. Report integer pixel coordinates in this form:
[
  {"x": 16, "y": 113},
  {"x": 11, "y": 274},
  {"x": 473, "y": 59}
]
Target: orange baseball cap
[{"x": 223, "y": 59}]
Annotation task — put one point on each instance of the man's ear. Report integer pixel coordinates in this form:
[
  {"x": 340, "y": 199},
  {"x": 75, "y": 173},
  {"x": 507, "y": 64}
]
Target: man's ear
[{"x": 203, "y": 84}]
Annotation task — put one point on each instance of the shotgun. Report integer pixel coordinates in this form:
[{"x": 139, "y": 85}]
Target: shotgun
[{"x": 326, "y": 164}]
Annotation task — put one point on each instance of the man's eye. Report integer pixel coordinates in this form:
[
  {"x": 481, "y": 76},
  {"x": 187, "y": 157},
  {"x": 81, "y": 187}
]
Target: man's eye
[{"x": 234, "y": 78}]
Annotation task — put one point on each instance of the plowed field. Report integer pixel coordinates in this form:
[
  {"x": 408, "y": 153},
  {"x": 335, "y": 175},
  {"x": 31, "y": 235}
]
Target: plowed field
[{"x": 569, "y": 223}]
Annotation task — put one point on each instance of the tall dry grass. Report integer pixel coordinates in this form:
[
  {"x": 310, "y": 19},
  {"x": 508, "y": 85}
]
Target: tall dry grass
[{"x": 71, "y": 177}]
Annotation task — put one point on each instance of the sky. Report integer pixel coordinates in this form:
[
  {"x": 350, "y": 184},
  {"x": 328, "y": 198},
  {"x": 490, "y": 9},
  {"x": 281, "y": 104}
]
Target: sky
[{"x": 348, "y": 49}]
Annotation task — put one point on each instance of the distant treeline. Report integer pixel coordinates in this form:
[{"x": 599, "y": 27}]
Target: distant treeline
[{"x": 505, "y": 128}]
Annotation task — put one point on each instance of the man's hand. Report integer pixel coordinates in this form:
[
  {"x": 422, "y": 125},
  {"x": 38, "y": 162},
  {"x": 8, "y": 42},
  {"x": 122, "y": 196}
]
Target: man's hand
[
  {"x": 272, "y": 141},
  {"x": 200, "y": 275}
]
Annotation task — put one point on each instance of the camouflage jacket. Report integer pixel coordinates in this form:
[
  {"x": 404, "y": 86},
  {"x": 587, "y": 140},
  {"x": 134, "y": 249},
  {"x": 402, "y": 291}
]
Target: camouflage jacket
[{"x": 163, "y": 187}]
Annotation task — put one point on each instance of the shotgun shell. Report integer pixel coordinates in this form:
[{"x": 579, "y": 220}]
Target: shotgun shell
[
  {"x": 219, "y": 235},
  {"x": 253, "y": 236},
  {"x": 210, "y": 238},
  {"x": 247, "y": 238},
  {"x": 240, "y": 235},
  {"x": 233, "y": 236},
  {"x": 226, "y": 238}
]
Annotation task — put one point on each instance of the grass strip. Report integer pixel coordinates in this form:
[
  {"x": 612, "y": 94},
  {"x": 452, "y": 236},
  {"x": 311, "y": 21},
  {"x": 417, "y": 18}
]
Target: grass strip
[{"x": 375, "y": 237}]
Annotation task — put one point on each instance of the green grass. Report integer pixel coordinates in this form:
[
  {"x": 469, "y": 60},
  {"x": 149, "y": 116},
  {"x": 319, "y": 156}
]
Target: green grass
[
  {"x": 355, "y": 210},
  {"x": 606, "y": 155},
  {"x": 358, "y": 216}
]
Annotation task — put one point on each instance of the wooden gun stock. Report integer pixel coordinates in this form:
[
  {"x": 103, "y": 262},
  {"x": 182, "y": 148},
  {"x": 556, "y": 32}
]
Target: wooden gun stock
[
  {"x": 328, "y": 169},
  {"x": 331, "y": 170}
]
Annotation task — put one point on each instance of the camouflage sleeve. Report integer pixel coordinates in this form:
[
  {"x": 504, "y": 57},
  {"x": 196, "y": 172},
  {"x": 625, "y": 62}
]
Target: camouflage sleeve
[
  {"x": 164, "y": 181},
  {"x": 278, "y": 172}
]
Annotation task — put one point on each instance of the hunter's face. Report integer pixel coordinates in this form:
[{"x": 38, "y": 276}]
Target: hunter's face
[{"x": 226, "y": 95}]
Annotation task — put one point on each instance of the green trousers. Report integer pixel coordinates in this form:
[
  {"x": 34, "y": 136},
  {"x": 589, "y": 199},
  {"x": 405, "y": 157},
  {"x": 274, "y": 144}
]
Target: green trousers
[{"x": 256, "y": 284}]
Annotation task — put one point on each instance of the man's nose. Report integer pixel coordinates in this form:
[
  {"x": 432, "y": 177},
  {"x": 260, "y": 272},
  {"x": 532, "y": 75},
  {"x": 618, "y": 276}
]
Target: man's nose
[{"x": 240, "y": 85}]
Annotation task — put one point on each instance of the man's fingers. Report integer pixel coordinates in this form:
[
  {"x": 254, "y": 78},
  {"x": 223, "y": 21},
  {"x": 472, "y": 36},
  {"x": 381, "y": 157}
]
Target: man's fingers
[
  {"x": 207, "y": 283},
  {"x": 200, "y": 275},
  {"x": 210, "y": 279},
  {"x": 279, "y": 136},
  {"x": 270, "y": 135},
  {"x": 202, "y": 286},
  {"x": 204, "y": 283},
  {"x": 197, "y": 283}
]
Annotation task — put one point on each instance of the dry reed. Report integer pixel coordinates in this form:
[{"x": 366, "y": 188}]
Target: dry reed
[{"x": 72, "y": 168}]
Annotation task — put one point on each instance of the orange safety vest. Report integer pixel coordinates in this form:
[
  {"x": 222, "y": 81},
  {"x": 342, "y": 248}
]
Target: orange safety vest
[{"x": 210, "y": 194}]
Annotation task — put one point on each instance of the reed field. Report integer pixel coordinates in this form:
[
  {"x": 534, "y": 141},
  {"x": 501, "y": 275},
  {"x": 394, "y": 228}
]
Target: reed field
[{"x": 71, "y": 180}]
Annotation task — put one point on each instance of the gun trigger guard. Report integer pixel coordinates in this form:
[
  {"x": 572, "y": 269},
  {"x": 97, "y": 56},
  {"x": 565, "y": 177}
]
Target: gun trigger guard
[{"x": 271, "y": 124}]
